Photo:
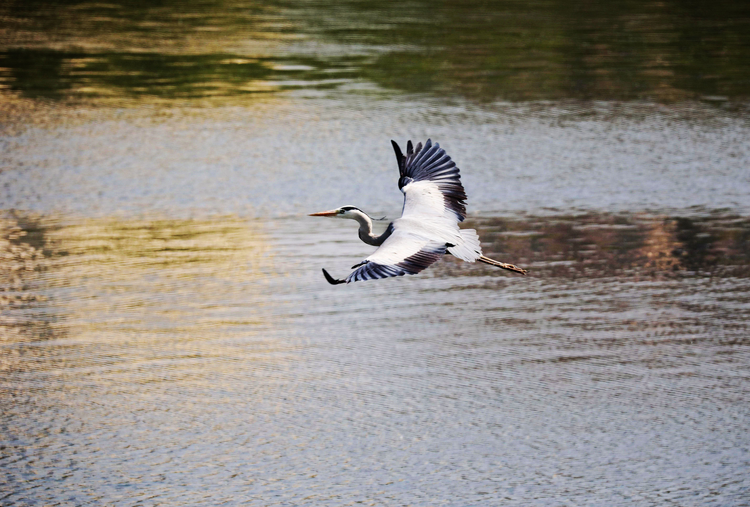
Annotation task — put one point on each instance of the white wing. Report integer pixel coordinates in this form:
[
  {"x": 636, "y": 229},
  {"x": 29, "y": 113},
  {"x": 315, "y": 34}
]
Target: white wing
[
  {"x": 403, "y": 253},
  {"x": 431, "y": 183},
  {"x": 435, "y": 199},
  {"x": 434, "y": 204}
]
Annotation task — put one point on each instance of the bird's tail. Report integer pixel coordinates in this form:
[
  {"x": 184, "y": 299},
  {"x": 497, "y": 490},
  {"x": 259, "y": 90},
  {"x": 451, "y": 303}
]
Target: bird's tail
[
  {"x": 469, "y": 249},
  {"x": 503, "y": 265}
]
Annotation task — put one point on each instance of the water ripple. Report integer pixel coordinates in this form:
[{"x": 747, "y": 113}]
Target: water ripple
[{"x": 185, "y": 361}]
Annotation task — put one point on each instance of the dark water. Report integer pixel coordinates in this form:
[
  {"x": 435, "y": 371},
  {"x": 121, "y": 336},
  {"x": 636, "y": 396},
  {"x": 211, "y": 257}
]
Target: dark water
[
  {"x": 167, "y": 337},
  {"x": 510, "y": 50}
]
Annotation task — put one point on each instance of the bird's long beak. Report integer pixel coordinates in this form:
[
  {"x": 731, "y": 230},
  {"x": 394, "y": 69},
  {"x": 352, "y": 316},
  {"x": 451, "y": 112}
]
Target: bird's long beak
[{"x": 331, "y": 213}]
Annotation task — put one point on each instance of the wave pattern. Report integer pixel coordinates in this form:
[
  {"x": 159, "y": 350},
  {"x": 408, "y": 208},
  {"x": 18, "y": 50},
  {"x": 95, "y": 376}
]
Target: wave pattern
[{"x": 205, "y": 361}]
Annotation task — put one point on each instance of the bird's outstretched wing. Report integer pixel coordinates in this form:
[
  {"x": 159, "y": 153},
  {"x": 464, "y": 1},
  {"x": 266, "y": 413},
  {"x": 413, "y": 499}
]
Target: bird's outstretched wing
[
  {"x": 430, "y": 181},
  {"x": 401, "y": 254}
]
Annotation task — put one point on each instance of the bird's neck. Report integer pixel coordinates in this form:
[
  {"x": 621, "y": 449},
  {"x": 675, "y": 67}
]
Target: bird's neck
[{"x": 365, "y": 230}]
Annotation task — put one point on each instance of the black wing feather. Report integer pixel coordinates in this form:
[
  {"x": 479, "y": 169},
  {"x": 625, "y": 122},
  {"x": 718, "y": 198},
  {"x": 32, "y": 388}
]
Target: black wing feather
[
  {"x": 432, "y": 164},
  {"x": 409, "y": 266}
]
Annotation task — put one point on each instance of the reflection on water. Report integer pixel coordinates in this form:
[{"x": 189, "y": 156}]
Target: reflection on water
[
  {"x": 200, "y": 358},
  {"x": 184, "y": 361},
  {"x": 587, "y": 245},
  {"x": 231, "y": 49},
  {"x": 123, "y": 284},
  {"x": 150, "y": 76},
  {"x": 21, "y": 259}
]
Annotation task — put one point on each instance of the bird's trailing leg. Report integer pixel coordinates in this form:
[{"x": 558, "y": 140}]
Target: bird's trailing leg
[
  {"x": 503, "y": 265},
  {"x": 332, "y": 280}
]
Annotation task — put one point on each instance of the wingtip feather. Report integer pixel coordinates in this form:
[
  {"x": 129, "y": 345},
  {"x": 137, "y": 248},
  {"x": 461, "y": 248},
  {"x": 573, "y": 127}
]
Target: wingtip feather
[
  {"x": 331, "y": 279},
  {"x": 397, "y": 149}
]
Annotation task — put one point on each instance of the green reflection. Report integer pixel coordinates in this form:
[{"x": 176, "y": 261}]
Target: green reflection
[
  {"x": 76, "y": 75},
  {"x": 555, "y": 50},
  {"x": 52, "y": 74},
  {"x": 509, "y": 50}
]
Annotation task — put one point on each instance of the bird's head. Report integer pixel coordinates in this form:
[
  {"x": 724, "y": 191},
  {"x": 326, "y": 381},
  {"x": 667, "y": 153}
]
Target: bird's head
[{"x": 342, "y": 212}]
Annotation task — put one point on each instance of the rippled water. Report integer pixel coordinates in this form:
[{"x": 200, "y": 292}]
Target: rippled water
[
  {"x": 167, "y": 336},
  {"x": 207, "y": 361}
]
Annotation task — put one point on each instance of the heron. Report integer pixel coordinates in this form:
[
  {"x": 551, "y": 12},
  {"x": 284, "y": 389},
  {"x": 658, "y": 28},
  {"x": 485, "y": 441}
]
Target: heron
[{"x": 434, "y": 205}]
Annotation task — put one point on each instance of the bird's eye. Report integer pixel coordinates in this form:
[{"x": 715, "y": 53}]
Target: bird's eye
[{"x": 342, "y": 211}]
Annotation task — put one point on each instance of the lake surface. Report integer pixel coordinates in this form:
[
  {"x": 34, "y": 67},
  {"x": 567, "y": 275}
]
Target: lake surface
[{"x": 167, "y": 336}]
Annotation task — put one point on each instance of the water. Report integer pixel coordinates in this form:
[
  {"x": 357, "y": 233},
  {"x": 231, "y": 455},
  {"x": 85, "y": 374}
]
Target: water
[
  {"x": 166, "y": 334},
  {"x": 238, "y": 51}
]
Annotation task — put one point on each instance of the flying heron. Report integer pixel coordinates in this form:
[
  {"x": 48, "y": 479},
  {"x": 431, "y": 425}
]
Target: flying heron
[{"x": 434, "y": 204}]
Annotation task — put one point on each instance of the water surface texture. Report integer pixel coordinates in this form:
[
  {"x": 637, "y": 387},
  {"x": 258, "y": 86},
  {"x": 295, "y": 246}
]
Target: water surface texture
[{"x": 167, "y": 336}]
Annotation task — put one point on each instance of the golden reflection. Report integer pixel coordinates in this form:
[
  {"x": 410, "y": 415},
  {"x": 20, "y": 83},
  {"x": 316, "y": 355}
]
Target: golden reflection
[
  {"x": 21, "y": 262},
  {"x": 138, "y": 259},
  {"x": 160, "y": 298},
  {"x": 122, "y": 55},
  {"x": 659, "y": 248}
]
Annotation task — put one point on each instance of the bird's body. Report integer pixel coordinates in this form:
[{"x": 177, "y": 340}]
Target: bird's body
[{"x": 434, "y": 204}]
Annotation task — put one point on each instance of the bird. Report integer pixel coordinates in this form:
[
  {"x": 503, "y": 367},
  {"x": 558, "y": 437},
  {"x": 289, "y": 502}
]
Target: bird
[{"x": 434, "y": 205}]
